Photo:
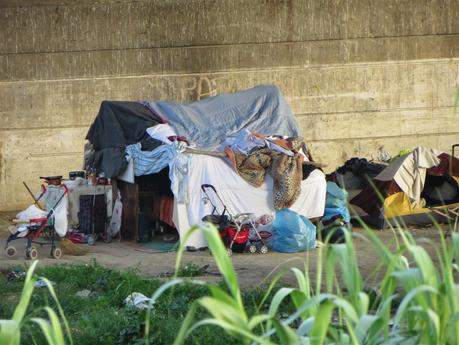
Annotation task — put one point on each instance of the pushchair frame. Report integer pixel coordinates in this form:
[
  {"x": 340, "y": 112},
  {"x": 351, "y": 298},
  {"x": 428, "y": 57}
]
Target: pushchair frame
[
  {"x": 38, "y": 228},
  {"x": 240, "y": 222}
]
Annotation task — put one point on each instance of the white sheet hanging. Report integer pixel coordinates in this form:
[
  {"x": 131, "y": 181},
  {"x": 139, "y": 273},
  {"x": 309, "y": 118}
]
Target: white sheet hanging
[{"x": 238, "y": 195}]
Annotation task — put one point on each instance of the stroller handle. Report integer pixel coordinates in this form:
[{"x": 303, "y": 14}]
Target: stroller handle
[
  {"x": 453, "y": 147},
  {"x": 204, "y": 186}
]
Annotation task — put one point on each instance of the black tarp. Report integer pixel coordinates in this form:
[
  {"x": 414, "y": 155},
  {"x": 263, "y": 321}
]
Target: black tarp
[
  {"x": 119, "y": 123},
  {"x": 356, "y": 172}
]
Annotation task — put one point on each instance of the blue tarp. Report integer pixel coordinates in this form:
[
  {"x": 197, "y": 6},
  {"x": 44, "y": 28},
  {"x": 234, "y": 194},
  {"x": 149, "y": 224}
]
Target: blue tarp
[
  {"x": 336, "y": 203},
  {"x": 207, "y": 123}
]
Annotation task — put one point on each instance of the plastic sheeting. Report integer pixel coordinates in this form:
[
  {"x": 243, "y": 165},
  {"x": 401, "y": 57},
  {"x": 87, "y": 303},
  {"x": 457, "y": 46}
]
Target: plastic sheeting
[
  {"x": 292, "y": 232},
  {"x": 208, "y": 122},
  {"x": 336, "y": 203}
]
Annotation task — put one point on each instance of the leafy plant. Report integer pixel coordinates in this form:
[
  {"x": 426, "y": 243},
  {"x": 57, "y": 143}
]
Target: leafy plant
[
  {"x": 415, "y": 302},
  {"x": 418, "y": 301},
  {"x": 52, "y": 329}
]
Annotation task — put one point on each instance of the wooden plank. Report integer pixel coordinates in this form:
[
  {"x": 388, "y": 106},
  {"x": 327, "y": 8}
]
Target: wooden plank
[{"x": 130, "y": 217}]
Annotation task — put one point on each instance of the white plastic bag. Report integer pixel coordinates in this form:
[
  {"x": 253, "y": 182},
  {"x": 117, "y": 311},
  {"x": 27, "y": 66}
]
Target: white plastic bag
[
  {"x": 115, "y": 220},
  {"x": 137, "y": 300}
]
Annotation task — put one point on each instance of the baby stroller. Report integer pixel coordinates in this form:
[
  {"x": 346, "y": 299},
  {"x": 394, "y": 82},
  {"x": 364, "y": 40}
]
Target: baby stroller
[
  {"x": 39, "y": 231},
  {"x": 236, "y": 231}
]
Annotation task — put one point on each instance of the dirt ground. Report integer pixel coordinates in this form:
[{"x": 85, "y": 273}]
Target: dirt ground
[{"x": 252, "y": 269}]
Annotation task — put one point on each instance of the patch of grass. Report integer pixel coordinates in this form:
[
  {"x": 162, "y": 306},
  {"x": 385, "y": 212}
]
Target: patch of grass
[
  {"x": 102, "y": 318},
  {"x": 416, "y": 301},
  {"x": 190, "y": 269}
]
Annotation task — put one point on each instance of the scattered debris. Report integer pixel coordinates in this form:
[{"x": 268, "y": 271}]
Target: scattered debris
[
  {"x": 16, "y": 274},
  {"x": 137, "y": 300},
  {"x": 41, "y": 283},
  {"x": 191, "y": 270},
  {"x": 84, "y": 293}
]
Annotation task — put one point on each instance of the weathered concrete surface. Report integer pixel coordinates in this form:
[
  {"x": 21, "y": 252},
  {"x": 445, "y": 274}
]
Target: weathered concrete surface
[{"x": 358, "y": 76}]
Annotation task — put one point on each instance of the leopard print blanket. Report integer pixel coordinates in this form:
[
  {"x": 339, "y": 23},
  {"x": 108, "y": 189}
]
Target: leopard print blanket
[{"x": 286, "y": 172}]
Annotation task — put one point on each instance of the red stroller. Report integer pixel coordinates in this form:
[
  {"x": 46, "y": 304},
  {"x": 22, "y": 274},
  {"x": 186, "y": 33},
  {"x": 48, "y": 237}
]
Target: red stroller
[
  {"x": 38, "y": 228},
  {"x": 234, "y": 230}
]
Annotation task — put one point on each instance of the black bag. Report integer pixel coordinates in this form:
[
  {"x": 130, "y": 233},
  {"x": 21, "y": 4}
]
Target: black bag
[
  {"x": 220, "y": 221},
  {"x": 440, "y": 190},
  {"x": 332, "y": 230}
]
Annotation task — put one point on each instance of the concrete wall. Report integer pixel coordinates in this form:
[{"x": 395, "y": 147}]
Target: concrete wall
[{"x": 358, "y": 74}]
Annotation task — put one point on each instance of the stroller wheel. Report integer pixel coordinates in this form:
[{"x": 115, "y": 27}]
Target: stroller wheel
[
  {"x": 252, "y": 249},
  {"x": 56, "y": 253},
  {"x": 91, "y": 240},
  {"x": 263, "y": 249},
  {"x": 229, "y": 251},
  {"x": 10, "y": 251},
  {"x": 32, "y": 253}
]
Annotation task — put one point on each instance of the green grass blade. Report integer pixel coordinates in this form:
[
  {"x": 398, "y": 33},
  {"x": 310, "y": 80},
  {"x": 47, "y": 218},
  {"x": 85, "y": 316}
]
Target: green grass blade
[
  {"x": 303, "y": 280},
  {"x": 276, "y": 302},
  {"x": 221, "y": 295},
  {"x": 230, "y": 328},
  {"x": 425, "y": 264},
  {"x": 222, "y": 260},
  {"x": 9, "y": 332},
  {"x": 51, "y": 290},
  {"x": 27, "y": 291},
  {"x": 305, "y": 327},
  {"x": 46, "y": 329},
  {"x": 406, "y": 302},
  {"x": 257, "y": 320},
  {"x": 321, "y": 323},
  {"x": 269, "y": 290},
  {"x": 181, "y": 249},
  {"x": 364, "y": 325},
  {"x": 186, "y": 324},
  {"x": 285, "y": 334},
  {"x": 226, "y": 312}
]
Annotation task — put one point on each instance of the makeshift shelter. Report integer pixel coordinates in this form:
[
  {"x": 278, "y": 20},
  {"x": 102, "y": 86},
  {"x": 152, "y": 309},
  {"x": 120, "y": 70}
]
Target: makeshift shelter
[
  {"x": 144, "y": 143},
  {"x": 413, "y": 190}
]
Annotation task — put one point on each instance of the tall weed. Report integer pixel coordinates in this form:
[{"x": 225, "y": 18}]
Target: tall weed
[
  {"x": 52, "y": 328},
  {"x": 417, "y": 301}
]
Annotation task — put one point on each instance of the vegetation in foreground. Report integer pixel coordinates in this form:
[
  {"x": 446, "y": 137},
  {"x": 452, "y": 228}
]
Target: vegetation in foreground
[
  {"x": 416, "y": 302},
  {"x": 100, "y": 317}
]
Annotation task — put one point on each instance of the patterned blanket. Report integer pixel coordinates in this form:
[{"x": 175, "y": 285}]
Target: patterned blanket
[{"x": 285, "y": 170}]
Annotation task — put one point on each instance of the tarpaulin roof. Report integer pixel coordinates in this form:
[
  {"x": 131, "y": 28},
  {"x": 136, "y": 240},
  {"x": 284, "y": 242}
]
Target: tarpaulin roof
[
  {"x": 262, "y": 109},
  {"x": 205, "y": 123}
]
